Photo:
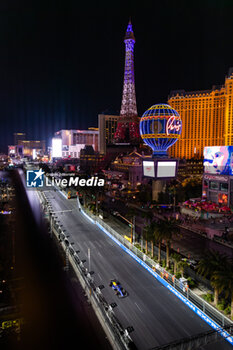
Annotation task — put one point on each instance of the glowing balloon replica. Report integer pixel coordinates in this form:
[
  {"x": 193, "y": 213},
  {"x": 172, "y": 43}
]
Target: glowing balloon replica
[{"x": 160, "y": 128}]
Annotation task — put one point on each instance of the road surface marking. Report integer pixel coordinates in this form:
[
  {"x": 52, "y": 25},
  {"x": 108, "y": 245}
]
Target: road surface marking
[{"x": 138, "y": 307}]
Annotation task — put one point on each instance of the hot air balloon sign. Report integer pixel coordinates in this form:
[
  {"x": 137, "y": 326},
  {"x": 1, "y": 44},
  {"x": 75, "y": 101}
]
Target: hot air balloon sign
[{"x": 160, "y": 128}]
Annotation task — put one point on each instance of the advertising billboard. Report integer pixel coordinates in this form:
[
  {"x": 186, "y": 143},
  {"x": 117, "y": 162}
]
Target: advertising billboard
[
  {"x": 149, "y": 168},
  {"x": 218, "y": 160},
  {"x": 56, "y": 148},
  {"x": 160, "y": 169},
  {"x": 166, "y": 169}
]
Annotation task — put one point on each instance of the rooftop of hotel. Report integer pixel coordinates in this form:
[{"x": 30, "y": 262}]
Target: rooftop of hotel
[
  {"x": 215, "y": 89},
  {"x": 197, "y": 93}
]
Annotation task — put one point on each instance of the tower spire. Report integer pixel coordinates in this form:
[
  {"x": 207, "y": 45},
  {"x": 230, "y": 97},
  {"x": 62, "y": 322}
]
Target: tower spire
[{"x": 128, "y": 126}]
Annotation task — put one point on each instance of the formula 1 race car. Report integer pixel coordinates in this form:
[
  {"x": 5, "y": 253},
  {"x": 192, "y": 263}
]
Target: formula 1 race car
[{"x": 116, "y": 286}]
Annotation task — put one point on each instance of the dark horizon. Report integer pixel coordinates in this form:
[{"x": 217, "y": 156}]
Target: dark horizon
[{"x": 63, "y": 65}]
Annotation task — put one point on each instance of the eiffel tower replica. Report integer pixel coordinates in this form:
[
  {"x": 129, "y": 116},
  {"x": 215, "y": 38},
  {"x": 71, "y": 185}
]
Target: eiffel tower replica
[{"x": 127, "y": 131}]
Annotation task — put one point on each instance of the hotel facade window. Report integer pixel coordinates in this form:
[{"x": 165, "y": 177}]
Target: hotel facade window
[{"x": 207, "y": 118}]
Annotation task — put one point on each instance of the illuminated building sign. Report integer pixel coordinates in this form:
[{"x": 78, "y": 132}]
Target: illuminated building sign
[
  {"x": 173, "y": 123},
  {"x": 216, "y": 177},
  {"x": 218, "y": 160}
]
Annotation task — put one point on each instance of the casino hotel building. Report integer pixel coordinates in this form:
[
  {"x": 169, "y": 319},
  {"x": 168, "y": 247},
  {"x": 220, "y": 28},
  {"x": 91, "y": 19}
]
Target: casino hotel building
[{"x": 207, "y": 119}]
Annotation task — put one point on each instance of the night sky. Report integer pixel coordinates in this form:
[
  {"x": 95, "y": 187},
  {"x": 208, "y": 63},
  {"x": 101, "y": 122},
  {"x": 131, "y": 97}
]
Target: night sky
[{"x": 62, "y": 63}]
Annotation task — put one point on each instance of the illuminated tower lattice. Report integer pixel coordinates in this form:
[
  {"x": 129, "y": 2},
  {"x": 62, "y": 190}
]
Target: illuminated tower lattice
[{"x": 128, "y": 124}]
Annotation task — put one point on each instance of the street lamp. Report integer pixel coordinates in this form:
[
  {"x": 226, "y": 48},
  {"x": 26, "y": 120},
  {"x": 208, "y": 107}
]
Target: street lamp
[{"x": 130, "y": 224}]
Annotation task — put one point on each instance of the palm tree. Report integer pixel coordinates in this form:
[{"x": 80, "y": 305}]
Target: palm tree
[
  {"x": 212, "y": 266},
  {"x": 131, "y": 214},
  {"x": 148, "y": 216},
  {"x": 167, "y": 228},
  {"x": 92, "y": 207},
  {"x": 223, "y": 281},
  {"x": 146, "y": 230},
  {"x": 83, "y": 193},
  {"x": 90, "y": 193},
  {"x": 158, "y": 235},
  {"x": 172, "y": 230},
  {"x": 150, "y": 230},
  {"x": 87, "y": 194},
  {"x": 182, "y": 264},
  {"x": 176, "y": 258}
]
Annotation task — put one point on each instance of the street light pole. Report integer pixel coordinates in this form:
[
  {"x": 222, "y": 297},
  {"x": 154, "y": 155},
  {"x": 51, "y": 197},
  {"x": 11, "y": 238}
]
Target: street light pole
[
  {"x": 134, "y": 229},
  {"x": 131, "y": 238},
  {"x": 174, "y": 204},
  {"x": 131, "y": 225}
]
